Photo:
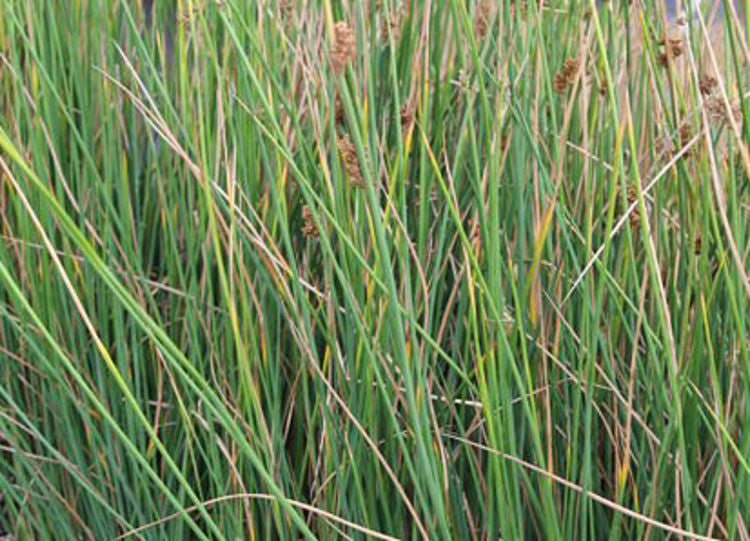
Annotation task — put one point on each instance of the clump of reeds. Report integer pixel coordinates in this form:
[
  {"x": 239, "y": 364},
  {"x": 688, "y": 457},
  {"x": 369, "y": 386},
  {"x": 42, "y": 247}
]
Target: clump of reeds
[{"x": 456, "y": 343}]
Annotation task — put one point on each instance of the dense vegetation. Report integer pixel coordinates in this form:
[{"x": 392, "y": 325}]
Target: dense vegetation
[{"x": 407, "y": 268}]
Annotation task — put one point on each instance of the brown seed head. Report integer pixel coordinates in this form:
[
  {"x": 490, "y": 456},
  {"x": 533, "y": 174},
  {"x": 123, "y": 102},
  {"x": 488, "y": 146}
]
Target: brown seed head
[
  {"x": 350, "y": 161},
  {"x": 570, "y": 67},
  {"x": 565, "y": 78},
  {"x": 407, "y": 117},
  {"x": 717, "y": 110},
  {"x": 482, "y": 19},
  {"x": 338, "y": 109},
  {"x": 603, "y": 88},
  {"x": 673, "y": 48},
  {"x": 707, "y": 84},
  {"x": 391, "y": 26},
  {"x": 561, "y": 83},
  {"x": 344, "y": 46},
  {"x": 635, "y": 217},
  {"x": 698, "y": 244},
  {"x": 308, "y": 226}
]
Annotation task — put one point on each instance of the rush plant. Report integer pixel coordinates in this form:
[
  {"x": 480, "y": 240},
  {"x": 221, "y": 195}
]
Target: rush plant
[{"x": 430, "y": 269}]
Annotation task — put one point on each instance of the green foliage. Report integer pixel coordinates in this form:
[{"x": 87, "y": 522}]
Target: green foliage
[{"x": 487, "y": 277}]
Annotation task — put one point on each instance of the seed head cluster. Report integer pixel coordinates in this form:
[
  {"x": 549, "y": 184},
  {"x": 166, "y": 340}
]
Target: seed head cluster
[
  {"x": 308, "y": 224},
  {"x": 391, "y": 25},
  {"x": 717, "y": 110},
  {"x": 673, "y": 48},
  {"x": 567, "y": 75},
  {"x": 635, "y": 217},
  {"x": 707, "y": 84},
  {"x": 482, "y": 19},
  {"x": 407, "y": 116},
  {"x": 350, "y": 161},
  {"x": 338, "y": 109},
  {"x": 603, "y": 87},
  {"x": 344, "y": 46},
  {"x": 686, "y": 134},
  {"x": 714, "y": 103}
]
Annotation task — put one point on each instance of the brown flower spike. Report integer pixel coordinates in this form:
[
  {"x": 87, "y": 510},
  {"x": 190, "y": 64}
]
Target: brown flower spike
[
  {"x": 565, "y": 78},
  {"x": 350, "y": 160},
  {"x": 672, "y": 49},
  {"x": 344, "y": 46},
  {"x": 482, "y": 19},
  {"x": 707, "y": 84},
  {"x": 718, "y": 113},
  {"x": 635, "y": 217},
  {"x": 308, "y": 226}
]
